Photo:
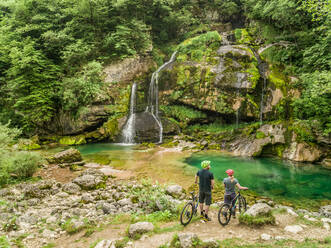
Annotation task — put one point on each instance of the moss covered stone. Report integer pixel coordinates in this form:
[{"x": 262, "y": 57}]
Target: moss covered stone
[
  {"x": 259, "y": 220},
  {"x": 260, "y": 135},
  {"x": 242, "y": 36},
  {"x": 72, "y": 140}
]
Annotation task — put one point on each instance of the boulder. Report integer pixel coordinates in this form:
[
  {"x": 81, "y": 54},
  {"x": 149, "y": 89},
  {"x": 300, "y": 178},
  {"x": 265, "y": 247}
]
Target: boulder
[
  {"x": 259, "y": 209},
  {"x": 293, "y": 229},
  {"x": 140, "y": 228},
  {"x": 68, "y": 156},
  {"x": 326, "y": 163},
  {"x": 71, "y": 188},
  {"x": 302, "y": 152},
  {"x": 266, "y": 237},
  {"x": 38, "y": 190},
  {"x": 106, "y": 244},
  {"x": 326, "y": 226},
  {"x": 125, "y": 202},
  {"x": 87, "y": 198},
  {"x": 91, "y": 179},
  {"x": 326, "y": 220},
  {"x": 186, "y": 239},
  {"x": 326, "y": 211},
  {"x": 108, "y": 208},
  {"x": 174, "y": 190}
]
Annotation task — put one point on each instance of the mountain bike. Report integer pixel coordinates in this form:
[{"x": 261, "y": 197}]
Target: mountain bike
[
  {"x": 227, "y": 210},
  {"x": 189, "y": 209}
]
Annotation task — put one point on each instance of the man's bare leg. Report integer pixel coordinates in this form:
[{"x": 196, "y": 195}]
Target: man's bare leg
[
  {"x": 201, "y": 207},
  {"x": 206, "y": 210}
]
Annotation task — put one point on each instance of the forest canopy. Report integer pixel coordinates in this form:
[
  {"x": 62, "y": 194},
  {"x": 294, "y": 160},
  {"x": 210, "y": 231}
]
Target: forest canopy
[{"x": 53, "y": 50}]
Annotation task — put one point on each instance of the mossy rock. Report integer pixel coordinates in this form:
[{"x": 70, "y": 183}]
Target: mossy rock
[
  {"x": 260, "y": 135},
  {"x": 242, "y": 36},
  {"x": 259, "y": 220},
  {"x": 72, "y": 140}
]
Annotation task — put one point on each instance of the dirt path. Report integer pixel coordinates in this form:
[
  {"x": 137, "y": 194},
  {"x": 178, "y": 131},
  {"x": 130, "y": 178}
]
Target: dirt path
[{"x": 204, "y": 230}]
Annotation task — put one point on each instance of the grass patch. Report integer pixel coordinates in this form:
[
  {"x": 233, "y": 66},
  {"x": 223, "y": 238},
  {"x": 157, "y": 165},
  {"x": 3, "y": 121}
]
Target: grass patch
[
  {"x": 50, "y": 245},
  {"x": 239, "y": 243},
  {"x": 4, "y": 243},
  {"x": 156, "y": 217},
  {"x": 174, "y": 228},
  {"x": 302, "y": 220},
  {"x": 196, "y": 243},
  {"x": 121, "y": 243},
  {"x": 258, "y": 220},
  {"x": 94, "y": 244}
]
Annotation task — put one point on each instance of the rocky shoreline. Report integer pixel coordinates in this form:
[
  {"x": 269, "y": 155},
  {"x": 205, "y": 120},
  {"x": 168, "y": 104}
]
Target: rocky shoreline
[{"x": 37, "y": 213}]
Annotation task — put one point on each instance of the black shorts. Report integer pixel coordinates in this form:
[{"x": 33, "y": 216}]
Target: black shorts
[{"x": 205, "y": 197}]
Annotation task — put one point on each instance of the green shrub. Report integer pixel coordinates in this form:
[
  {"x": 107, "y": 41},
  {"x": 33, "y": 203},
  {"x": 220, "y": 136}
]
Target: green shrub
[
  {"x": 259, "y": 220},
  {"x": 14, "y": 165},
  {"x": 182, "y": 113}
]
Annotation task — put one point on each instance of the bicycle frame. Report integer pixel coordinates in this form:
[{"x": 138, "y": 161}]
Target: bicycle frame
[{"x": 234, "y": 201}]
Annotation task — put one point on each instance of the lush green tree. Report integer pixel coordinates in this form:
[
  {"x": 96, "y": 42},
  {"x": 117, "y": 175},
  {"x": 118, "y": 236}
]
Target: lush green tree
[{"x": 315, "y": 101}]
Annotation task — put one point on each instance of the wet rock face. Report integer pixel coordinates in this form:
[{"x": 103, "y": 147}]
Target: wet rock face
[
  {"x": 302, "y": 152},
  {"x": 232, "y": 70},
  {"x": 218, "y": 81},
  {"x": 268, "y": 135}
]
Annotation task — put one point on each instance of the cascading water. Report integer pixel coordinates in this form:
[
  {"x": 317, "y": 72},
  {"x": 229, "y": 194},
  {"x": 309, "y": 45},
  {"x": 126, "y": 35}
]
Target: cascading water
[
  {"x": 153, "y": 94},
  {"x": 237, "y": 111},
  {"x": 262, "y": 71},
  {"x": 129, "y": 132},
  {"x": 262, "y": 95}
]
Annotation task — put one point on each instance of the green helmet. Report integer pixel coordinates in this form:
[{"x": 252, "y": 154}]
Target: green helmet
[{"x": 205, "y": 163}]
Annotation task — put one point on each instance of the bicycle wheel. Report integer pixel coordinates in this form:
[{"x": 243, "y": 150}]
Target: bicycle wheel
[
  {"x": 242, "y": 204},
  {"x": 224, "y": 214},
  {"x": 187, "y": 214}
]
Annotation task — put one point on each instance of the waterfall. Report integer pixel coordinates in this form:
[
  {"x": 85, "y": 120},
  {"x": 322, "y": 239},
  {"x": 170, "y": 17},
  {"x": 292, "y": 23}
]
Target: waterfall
[
  {"x": 237, "y": 111},
  {"x": 153, "y": 94},
  {"x": 262, "y": 95},
  {"x": 262, "y": 71},
  {"x": 129, "y": 132}
]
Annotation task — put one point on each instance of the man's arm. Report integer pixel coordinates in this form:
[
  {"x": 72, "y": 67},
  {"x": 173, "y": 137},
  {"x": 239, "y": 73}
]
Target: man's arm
[
  {"x": 212, "y": 184},
  {"x": 196, "y": 179},
  {"x": 240, "y": 187}
]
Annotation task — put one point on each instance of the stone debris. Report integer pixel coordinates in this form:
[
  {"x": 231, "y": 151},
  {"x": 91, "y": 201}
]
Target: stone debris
[
  {"x": 186, "y": 239},
  {"x": 266, "y": 237},
  {"x": 106, "y": 244},
  {"x": 293, "y": 229}
]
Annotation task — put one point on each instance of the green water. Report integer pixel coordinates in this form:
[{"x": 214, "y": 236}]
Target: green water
[
  {"x": 265, "y": 176},
  {"x": 90, "y": 149},
  {"x": 271, "y": 177}
]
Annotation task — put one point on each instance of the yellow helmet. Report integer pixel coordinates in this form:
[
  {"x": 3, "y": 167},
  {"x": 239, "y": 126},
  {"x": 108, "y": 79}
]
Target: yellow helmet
[{"x": 205, "y": 164}]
